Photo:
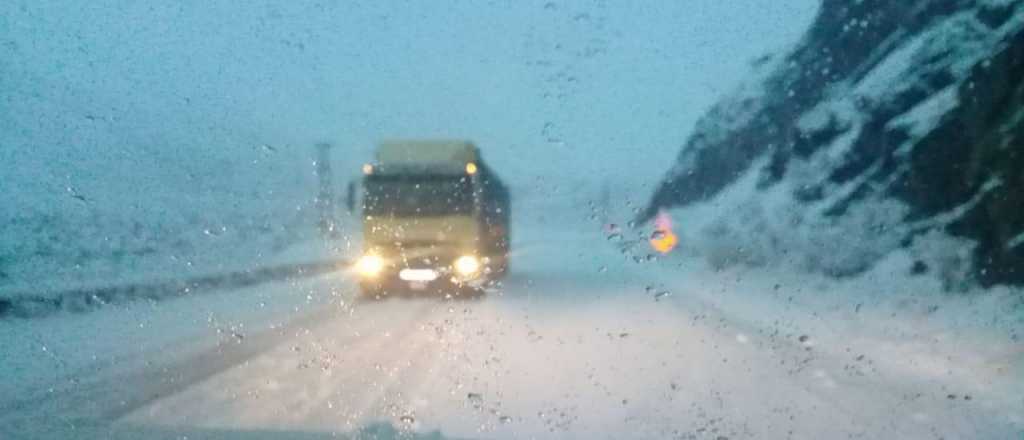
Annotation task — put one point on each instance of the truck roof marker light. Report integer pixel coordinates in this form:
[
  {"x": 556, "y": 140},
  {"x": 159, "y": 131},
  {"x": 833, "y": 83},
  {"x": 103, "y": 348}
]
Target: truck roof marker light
[
  {"x": 367, "y": 168},
  {"x": 470, "y": 168}
]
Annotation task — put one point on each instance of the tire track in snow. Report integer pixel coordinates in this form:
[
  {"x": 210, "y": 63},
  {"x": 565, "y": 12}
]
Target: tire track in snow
[
  {"x": 404, "y": 394},
  {"x": 306, "y": 392}
]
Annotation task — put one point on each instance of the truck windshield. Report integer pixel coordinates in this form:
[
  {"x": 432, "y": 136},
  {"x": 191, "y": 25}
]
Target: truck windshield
[{"x": 418, "y": 196}]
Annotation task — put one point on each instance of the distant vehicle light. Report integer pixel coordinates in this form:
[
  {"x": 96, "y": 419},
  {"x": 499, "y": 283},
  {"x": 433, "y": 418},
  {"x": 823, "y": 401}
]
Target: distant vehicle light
[
  {"x": 370, "y": 265},
  {"x": 367, "y": 169},
  {"x": 467, "y": 265},
  {"x": 470, "y": 168},
  {"x": 663, "y": 239}
]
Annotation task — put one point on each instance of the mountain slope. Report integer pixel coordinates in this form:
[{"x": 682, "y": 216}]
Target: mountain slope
[{"x": 891, "y": 125}]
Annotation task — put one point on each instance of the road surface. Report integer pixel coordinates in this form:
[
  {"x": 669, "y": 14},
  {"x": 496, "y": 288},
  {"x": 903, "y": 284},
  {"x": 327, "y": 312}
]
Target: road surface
[{"x": 578, "y": 343}]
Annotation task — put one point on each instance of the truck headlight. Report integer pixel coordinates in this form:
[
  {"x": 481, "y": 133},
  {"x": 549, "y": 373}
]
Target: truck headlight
[
  {"x": 370, "y": 265},
  {"x": 467, "y": 265}
]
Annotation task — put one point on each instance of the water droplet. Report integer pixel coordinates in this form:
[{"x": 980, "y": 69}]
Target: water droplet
[{"x": 407, "y": 419}]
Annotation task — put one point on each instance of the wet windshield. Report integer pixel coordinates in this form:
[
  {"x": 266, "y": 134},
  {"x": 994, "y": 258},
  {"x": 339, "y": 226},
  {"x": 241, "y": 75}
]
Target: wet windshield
[
  {"x": 418, "y": 196},
  {"x": 512, "y": 219}
]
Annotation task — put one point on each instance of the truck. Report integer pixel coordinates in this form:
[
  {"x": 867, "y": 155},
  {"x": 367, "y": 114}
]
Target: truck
[{"x": 435, "y": 217}]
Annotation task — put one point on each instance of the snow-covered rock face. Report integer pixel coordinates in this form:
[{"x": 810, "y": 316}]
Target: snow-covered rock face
[{"x": 891, "y": 125}]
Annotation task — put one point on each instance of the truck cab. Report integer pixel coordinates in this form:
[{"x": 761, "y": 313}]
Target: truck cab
[{"x": 435, "y": 218}]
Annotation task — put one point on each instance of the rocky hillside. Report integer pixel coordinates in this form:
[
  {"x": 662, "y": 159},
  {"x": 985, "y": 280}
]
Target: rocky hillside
[{"x": 891, "y": 126}]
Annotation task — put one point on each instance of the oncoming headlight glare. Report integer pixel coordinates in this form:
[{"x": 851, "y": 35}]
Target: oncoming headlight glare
[
  {"x": 370, "y": 265},
  {"x": 467, "y": 265}
]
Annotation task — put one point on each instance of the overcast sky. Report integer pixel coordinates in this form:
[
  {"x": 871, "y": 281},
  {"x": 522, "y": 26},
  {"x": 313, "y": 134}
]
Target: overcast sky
[{"x": 163, "y": 90}]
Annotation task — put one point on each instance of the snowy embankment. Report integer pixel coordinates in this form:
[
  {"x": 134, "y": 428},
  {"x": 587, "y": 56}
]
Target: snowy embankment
[{"x": 156, "y": 234}]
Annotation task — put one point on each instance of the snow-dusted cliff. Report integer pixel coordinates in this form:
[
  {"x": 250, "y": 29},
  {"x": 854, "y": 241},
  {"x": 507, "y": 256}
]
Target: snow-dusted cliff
[{"x": 890, "y": 128}]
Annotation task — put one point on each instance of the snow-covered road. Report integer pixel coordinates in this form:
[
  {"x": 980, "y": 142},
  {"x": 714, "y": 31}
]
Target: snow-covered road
[
  {"x": 598, "y": 365},
  {"x": 575, "y": 345}
]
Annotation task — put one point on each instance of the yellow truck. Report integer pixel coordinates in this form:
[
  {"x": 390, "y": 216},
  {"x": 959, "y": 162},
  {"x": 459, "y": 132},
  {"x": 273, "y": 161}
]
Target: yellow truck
[{"x": 435, "y": 218}]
